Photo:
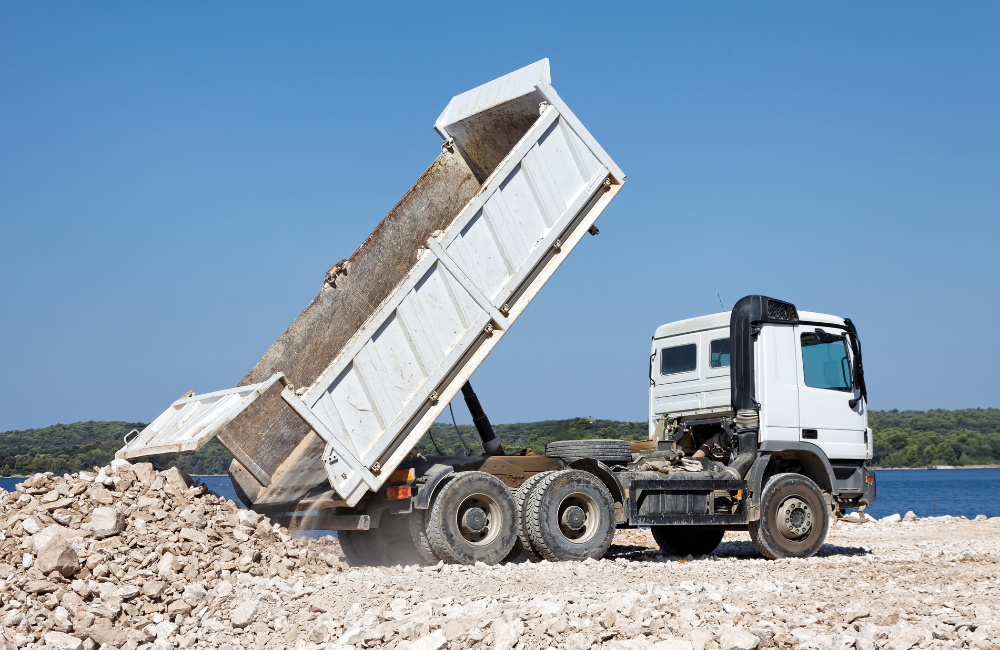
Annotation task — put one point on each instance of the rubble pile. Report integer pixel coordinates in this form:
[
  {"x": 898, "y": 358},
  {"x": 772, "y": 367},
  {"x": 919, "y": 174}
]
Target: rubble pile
[
  {"x": 133, "y": 559},
  {"x": 127, "y": 557}
]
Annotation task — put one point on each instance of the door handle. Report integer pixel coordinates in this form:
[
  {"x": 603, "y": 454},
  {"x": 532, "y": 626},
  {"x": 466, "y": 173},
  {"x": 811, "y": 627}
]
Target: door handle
[{"x": 810, "y": 434}]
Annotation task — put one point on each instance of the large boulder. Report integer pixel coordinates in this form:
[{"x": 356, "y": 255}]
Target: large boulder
[
  {"x": 58, "y": 555},
  {"x": 107, "y": 522},
  {"x": 145, "y": 473},
  {"x": 62, "y": 641},
  {"x": 178, "y": 479},
  {"x": 244, "y": 614},
  {"x": 738, "y": 638}
]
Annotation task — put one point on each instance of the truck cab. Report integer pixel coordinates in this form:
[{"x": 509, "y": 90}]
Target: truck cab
[
  {"x": 782, "y": 389},
  {"x": 804, "y": 377}
]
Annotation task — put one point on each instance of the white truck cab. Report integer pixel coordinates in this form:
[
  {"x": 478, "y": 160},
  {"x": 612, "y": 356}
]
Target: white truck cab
[
  {"x": 778, "y": 396},
  {"x": 804, "y": 379}
]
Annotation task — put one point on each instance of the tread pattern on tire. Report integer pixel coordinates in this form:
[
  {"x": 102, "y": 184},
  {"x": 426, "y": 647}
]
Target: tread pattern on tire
[
  {"x": 756, "y": 528},
  {"x": 535, "y": 515},
  {"x": 418, "y": 534},
  {"x": 347, "y": 547},
  {"x": 435, "y": 534},
  {"x": 613, "y": 451},
  {"x": 532, "y": 519},
  {"x": 363, "y": 556},
  {"x": 520, "y": 498},
  {"x": 763, "y": 549}
]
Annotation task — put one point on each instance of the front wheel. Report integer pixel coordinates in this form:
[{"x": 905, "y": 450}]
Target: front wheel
[
  {"x": 687, "y": 540},
  {"x": 794, "y": 519}
]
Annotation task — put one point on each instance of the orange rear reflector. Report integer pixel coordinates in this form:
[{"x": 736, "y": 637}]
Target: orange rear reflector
[
  {"x": 398, "y": 492},
  {"x": 870, "y": 479}
]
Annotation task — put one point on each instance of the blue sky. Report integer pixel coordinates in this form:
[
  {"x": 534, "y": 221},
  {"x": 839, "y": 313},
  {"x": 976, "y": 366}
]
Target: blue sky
[{"x": 175, "y": 178}]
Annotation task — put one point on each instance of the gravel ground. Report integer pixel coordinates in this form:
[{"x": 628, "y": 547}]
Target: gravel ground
[{"x": 198, "y": 574}]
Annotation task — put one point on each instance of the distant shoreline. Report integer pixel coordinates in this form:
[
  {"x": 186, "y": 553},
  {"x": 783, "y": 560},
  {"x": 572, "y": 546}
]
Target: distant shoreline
[
  {"x": 939, "y": 467},
  {"x": 880, "y": 469},
  {"x": 192, "y": 475}
]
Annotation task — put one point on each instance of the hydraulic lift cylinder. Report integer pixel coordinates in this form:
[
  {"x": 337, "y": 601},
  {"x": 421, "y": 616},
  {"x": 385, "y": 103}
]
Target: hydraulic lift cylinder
[{"x": 490, "y": 442}]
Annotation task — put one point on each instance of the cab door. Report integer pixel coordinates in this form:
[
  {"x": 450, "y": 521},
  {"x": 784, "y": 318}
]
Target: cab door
[{"x": 827, "y": 417}]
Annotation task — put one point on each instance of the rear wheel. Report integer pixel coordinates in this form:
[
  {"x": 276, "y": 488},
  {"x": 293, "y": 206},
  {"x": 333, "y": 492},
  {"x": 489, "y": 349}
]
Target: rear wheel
[
  {"x": 358, "y": 547},
  {"x": 521, "y": 499},
  {"x": 570, "y": 516},
  {"x": 794, "y": 519},
  {"x": 473, "y": 519},
  {"x": 687, "y": 540},
  {"x": 388, "y": 545},
  {"x": 418, "y": 534},
  {"x": 396, "y": 546}
]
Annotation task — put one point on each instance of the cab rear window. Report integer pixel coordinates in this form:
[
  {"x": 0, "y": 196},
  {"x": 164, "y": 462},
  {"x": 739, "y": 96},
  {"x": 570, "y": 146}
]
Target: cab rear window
[
  {"x": 678, "y": 359},
  {"x": 719, "y": 353}
]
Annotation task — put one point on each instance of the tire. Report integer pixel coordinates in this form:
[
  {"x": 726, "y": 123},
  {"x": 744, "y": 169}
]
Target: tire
[
  {"x": 418, "y": 534},
  {"x": 794, "y": 518},
  {"x": 358, "y": 547},
  {"x": 687, "y": 540},
  {"x": 388, "y": 545},
  {"x": 607, "y": 451},
  {"x": 520, "y": 499},
  {"x": 570, "y": 516},
  {"x": 515, "y": 552},
  {"x": 473, "y": 518},
  {"x": 396, "y": 546}
]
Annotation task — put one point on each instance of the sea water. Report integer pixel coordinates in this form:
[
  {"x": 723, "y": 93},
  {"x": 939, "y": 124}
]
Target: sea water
[{"x": 927, "y": 492}]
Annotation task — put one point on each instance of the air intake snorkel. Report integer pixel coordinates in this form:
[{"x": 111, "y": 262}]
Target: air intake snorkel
[
  {"x": 748, "y": 314},
  {"x": 745, "y": 449}
]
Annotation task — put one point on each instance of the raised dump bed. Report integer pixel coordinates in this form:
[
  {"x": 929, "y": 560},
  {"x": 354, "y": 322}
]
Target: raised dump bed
[{"x": 352, "y": 385}]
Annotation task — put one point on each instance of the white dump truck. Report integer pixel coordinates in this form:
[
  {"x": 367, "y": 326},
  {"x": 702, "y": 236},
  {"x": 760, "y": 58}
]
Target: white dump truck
[{"x": 323, "y": 430}]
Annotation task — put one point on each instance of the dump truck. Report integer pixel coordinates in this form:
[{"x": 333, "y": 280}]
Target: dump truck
[{"x": 324, "y": 428}]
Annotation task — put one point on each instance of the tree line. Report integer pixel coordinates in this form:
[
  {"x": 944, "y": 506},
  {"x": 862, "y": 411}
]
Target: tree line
[{"x": 901, "y": 438}]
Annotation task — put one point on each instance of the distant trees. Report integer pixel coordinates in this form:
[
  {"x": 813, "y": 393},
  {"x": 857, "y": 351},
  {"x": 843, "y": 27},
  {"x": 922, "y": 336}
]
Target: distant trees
[
  {"x": 68, "y": 448},
  {"x": 902, "y": 439},
  {"x": 907, "y": 448}
]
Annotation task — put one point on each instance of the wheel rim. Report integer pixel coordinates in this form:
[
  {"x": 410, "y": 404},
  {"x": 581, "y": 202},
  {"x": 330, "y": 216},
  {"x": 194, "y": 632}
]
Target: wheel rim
[
  {"x": 479, "y": 519},
  {"x": 795, "y": 518},
  {"x": 579, "y": 517}
]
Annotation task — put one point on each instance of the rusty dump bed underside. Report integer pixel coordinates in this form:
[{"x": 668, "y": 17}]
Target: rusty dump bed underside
[{"x": 268, "y": 437}]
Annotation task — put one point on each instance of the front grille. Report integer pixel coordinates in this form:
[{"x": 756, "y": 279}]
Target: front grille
[{"x": 781, "y": 311}]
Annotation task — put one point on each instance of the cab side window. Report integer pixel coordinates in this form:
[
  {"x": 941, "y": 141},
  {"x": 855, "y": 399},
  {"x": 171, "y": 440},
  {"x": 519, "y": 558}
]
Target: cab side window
[
  {"x": 719, "y": 353},
  {"x": 826, "y": 365},
  {"x": 680, "y": 358}
]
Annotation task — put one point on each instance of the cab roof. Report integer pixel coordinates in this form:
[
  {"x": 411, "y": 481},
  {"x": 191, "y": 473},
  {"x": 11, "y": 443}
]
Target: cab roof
[{"x": 716, "y": 321}]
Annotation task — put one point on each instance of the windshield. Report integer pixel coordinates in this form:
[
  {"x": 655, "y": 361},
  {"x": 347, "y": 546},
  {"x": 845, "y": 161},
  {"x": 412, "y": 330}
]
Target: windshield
[{"x": 826, "y": 365}]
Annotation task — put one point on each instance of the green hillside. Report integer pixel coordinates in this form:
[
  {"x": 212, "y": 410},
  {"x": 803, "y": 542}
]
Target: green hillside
[
  {"x": 67, "y": 448},
  {"x": 902, "y": 439},
  {"x": 936, "y": 437}
]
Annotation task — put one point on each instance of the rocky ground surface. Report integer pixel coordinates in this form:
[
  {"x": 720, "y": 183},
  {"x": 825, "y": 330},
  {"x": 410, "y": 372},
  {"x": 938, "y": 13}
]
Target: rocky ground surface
[{"x": 129, "y": 558}]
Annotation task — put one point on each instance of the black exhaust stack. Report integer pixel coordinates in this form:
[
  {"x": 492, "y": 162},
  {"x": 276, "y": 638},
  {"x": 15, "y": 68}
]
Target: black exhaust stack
[{"x": 490, "y": 442}]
